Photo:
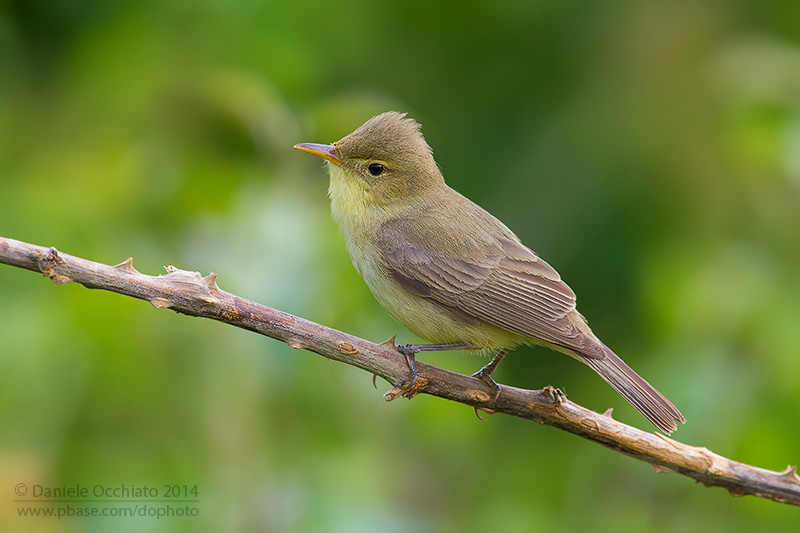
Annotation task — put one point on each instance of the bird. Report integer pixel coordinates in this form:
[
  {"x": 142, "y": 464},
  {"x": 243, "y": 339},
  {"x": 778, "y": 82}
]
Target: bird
[{"x": 449, "y": 270}]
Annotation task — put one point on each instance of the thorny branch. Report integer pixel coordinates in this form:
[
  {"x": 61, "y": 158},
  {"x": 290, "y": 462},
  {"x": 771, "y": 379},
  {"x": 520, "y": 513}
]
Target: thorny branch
[{"x": 191, "y": 294}]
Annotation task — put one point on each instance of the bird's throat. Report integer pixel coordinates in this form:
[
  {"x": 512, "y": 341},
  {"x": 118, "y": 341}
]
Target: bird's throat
[{"x": 351, "y": 207}]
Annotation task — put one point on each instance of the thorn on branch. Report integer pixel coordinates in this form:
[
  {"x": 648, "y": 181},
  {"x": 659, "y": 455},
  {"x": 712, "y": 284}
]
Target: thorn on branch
[
  {"x": 478, "y": 413},
  {"x": 389, "y": 342},
  {"x": 210, "y": 282},
  {"x": 127, "y": 266},
  {"x": 790, "y": 473}
]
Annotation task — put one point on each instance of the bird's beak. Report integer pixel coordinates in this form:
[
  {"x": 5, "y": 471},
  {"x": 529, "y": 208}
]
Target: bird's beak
[{"x": 325, "y": 151}]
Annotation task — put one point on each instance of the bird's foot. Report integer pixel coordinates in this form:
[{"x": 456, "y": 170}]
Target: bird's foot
[
  {"x": 410, "y": 388},
  {"x": 486, "y": 376}
]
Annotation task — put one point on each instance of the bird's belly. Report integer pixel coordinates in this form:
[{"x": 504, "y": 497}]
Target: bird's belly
[{"x": 423, "y": 316}]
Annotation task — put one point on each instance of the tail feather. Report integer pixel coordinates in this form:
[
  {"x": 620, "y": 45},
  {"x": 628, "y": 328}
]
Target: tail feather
[{"x": 643, "y": 396}]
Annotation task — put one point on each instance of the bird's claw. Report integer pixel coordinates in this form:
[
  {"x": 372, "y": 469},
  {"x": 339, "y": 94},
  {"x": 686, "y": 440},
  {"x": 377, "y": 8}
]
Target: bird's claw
[
  {"x": 406, "y": 349},
  {"x": 409, "y": 389},
  {"x": 486, "y": 377}
]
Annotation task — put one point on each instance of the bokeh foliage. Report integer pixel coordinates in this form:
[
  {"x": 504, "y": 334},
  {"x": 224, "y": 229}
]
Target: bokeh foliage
[{"x": 649, "y": 151}]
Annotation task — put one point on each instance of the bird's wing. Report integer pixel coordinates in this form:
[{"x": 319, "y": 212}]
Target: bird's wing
[{"x": 498, "y": 281}]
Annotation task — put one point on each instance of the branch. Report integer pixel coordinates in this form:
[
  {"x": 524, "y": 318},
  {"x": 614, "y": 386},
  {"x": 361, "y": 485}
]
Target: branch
[{"x": 191, "y": 294}]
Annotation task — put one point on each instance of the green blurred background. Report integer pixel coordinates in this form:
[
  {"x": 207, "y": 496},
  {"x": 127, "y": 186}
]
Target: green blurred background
[{"x": 649, "y": 151}]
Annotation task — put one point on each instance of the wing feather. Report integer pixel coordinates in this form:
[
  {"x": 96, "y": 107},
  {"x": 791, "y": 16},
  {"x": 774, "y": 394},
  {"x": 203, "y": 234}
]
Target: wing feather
[{"x": 502, "y": 283}]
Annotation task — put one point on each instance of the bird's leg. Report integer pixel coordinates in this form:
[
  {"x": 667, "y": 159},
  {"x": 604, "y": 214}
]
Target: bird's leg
[
  {"x": 410, "y": 351},
  {"x": 416, "y": 348},
  {"x": 485, "y": 373},
  {"x": 411, "y": 361}
]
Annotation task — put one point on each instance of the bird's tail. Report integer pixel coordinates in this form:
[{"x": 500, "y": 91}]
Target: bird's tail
[{"x": 643, "y": 396}]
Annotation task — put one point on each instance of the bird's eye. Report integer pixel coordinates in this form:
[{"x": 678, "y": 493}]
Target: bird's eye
[{"x": 376, "y": 169}]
